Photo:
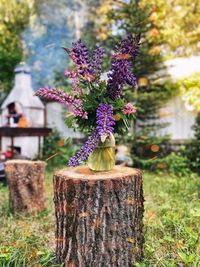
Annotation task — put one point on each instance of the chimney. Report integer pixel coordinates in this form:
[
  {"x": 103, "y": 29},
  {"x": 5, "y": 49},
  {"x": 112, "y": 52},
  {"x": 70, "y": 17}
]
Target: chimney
[{"x": 22, "y": 76}]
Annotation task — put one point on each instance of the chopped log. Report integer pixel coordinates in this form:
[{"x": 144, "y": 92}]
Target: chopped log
[
  {"x": 26, "y": 185},
  {"x": 99, "y": 217}
]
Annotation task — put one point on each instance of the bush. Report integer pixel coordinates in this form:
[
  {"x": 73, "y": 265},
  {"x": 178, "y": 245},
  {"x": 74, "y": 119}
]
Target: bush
[
  {"x": 193, "y": 152},
  {"x": 57, "y": 151},
  {"x": 177, "y": 164},
  {"x": 146, "y": 150},
  {"x": 174, "y": 163}
]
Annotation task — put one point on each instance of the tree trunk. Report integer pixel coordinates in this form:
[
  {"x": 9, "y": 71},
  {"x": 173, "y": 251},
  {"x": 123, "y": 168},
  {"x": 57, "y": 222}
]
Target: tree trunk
[
  {"x": 26, "y": 185},
  {"x": 98, "y": 217}
]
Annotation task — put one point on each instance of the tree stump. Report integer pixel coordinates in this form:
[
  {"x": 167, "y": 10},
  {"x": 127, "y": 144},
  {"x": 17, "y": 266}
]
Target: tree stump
[
  {"x": 99, "y": 217},
  {"x": 26, "y": 185}
]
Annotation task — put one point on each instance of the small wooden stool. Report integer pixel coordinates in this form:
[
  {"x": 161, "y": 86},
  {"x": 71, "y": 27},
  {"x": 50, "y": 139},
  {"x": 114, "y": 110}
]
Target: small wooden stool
[{"x": 99, "y": 217}]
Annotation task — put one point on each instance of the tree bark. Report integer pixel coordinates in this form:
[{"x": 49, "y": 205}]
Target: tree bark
[
  {"x": 26, "y": 185},
  {"x": 99, "y": 217}
]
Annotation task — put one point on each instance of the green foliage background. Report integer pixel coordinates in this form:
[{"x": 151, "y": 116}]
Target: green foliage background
[
  {"x": 14, "y": 17},
  {"x": 56, "y": 151}
]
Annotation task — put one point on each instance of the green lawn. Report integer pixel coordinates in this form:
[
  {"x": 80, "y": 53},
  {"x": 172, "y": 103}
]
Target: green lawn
[{"x": 172, "y": 216}]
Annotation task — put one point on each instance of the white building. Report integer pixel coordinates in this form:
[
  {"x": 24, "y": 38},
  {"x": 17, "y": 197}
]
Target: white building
[
  {"x": 177, "y": 113},
  {"x": 179, "y": 119}
]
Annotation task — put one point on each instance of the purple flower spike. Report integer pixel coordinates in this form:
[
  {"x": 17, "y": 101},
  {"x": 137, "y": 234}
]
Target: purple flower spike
[
  {"x": 85, "y": 150},
  {"x": 79, "y": 55},
  {"x": 73, "y": 104},
  {"x": 119, "y": 76},
  {"x": 128, "y": 47},
  {"x": 121, "y": 72},
  {"x": 104, "y": 120},
  {"x": 105, "y": 123},
  {"x": 97, "y": 57}
]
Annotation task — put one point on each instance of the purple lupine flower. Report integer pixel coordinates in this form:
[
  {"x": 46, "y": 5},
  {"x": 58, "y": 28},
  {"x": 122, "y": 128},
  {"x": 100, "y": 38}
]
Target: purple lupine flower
[
  {"x": 105, "y": 123},
  {"x": 79, "y": 55},
  {"x": 74, "y": 77},
  {"x": 121, "y": 72},
  {"x": 97, "y": 57},
  {"x": 128, "y": 47},
  {"x": 73, "y": 104},
  {"x": 85, "y": 150},
  {"x": 104, "y": 120},
  {"x": 119, "y": 76}
]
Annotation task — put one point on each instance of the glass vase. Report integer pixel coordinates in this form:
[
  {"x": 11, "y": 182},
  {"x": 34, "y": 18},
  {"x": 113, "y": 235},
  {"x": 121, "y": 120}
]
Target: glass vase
[{"x": 103, "y": 156}]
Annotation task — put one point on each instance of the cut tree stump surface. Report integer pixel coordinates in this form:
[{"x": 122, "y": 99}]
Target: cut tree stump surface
[
  {"x": 99, "y": 217},
  {"x": 26, "y": 185}
]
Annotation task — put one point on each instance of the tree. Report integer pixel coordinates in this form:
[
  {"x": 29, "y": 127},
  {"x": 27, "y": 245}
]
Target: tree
[
  {"x": 153, "y": 89},
  {"x": 14, "y": 17},
  {"x": 178, "y": 23}
]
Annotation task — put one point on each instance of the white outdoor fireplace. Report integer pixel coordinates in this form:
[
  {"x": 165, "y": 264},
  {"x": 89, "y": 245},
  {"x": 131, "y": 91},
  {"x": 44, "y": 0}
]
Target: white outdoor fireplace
[{"x": 30, "y": 106}]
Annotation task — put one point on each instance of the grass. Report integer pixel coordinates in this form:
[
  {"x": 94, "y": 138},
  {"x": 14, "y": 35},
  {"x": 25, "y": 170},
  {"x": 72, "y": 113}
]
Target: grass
[{"x": 172, "y": 215}]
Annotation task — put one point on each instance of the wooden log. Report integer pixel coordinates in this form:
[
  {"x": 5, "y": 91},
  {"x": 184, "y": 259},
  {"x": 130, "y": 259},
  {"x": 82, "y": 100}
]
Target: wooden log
[
  {"x": 26, "y": 185},
  {"x": 99, "y": 217}
]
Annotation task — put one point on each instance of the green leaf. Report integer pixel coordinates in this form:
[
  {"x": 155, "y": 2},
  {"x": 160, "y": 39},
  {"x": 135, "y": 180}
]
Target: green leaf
[
  {"x": 4, "y": 255},
  {"x": 69, "y": 120},
  {"x": 186, "y": 258}
]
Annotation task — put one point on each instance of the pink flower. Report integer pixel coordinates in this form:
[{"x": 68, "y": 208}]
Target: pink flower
[
  {"x": 72, "y": 103},
  {"x": 129, "y": 109},
  {"x": 71, "y": 74},
  {"x": 74, "y": 76}
]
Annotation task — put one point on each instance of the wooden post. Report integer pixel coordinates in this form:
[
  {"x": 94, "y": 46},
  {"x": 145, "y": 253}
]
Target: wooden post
[
  {"x": 26, "y": 185},
  {"x": 99, "y": 217}
]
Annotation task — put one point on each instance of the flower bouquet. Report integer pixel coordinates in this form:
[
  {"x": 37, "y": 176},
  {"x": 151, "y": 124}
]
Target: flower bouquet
[{"x": 98, "y": 107}]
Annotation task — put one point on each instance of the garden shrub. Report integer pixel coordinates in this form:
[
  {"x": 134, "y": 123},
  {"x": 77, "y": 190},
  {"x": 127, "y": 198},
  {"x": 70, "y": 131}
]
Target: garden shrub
[
  {"x": 57, "y": 151},
  {"x": 177, "y": 164},
  {"x": 193, "y": 151}
]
